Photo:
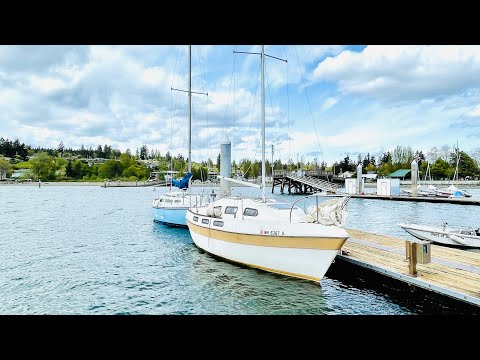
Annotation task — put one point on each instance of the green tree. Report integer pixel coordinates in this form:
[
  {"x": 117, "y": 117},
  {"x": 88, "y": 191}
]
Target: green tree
[
  {"x": 111, "y": 169},
  {"x": 179, "y": 163},
  {"x": 99, "y": 153},
  {"x": 441, "y": 169},
  {"x": 346, "y": 165},
  {"x": 69, "y": 170},
  {"x": 136, "y": 171},
  {"x": 143, "y": 152},
  {"x": 5, "y": 168},
  {"x": 116, "y": 153},
  {"x": 127, "y": 160},
  {"x": 386, "y": 158},
  {"x": 107, "y": 151},
  {"x": 420, "y": 157},
  {"x": 385, "y": 169},
  {"x": 467, "y": 166},
  {"x": 77, "y": 169},
  {"x": 60, "y": 148},
  {"x": 43, "y": 166}
]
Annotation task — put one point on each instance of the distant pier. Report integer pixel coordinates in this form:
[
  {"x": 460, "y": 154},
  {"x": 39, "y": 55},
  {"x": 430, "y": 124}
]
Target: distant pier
[
  {"x": 305, "y": 182},
  {"x": 439, "y": 200},
  {"x": 118, "y": 184}
]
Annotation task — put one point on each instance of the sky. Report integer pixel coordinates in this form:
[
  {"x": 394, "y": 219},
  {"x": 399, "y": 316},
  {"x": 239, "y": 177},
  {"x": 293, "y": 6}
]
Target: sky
[{"x": 324, "y": 103}]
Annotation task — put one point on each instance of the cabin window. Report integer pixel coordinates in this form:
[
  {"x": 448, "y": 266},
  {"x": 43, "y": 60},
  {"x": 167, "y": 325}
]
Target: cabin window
[
  {"x": 195, "y": 218},
  {"x": 205, "y": 221},
  {"x": 218, "y": 223},
  {"x": 231, "y": 210},
  {"x": 219, "y": 208},
  {"x": 250, "y": 212}
]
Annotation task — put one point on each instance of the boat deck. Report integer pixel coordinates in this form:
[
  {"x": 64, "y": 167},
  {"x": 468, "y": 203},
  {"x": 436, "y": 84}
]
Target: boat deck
[{"x": 452, "y": 272}]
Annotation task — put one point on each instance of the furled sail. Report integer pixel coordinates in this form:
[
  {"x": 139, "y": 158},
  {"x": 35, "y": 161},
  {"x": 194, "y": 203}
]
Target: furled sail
[
  {"x": 183, "y": 182},
  {"x": 329, "y": 212}
]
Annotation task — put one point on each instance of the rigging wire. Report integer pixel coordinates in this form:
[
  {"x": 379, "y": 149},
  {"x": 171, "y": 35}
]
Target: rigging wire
[
  {"x": 288, "y": 113},
  {"x": 233, "y": 141},
  {"x": 271, "y": 111},
  {"x": 209, "y": 152},
  {"x": 251, "y": 120},
  {"x": 234, "y": 153},
  {"x": 174, "y": 110},
  {"x": 309, "y": 105}
]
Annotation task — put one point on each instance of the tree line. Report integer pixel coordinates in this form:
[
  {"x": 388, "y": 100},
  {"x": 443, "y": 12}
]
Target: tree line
[
  {"x": 63, "y": 163},
  {"x": 441, "y": 162}
]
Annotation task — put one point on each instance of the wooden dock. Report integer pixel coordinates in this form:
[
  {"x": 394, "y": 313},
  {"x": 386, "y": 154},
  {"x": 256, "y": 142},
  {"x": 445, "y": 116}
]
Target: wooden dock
[{"x": 452, "y": 272}]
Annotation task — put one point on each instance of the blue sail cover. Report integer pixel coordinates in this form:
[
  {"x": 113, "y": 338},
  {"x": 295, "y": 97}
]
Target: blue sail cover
[{"x": 183, "y": 182}]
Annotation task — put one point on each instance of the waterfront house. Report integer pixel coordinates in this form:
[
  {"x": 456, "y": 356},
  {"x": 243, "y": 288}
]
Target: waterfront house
[{"x": 20, "y": 173}]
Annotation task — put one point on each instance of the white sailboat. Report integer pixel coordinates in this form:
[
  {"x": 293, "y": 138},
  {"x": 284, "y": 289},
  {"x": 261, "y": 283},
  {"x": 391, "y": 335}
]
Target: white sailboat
[
  {"x": 270, "y": 235},
  {"x": 452, "y": 190},
  {"x": 170, "y": 208},
  {"x": 431, "y": 190}
]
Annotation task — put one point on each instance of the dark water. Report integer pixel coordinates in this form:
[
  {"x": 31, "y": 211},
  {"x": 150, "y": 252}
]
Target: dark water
[{"x": 90, "y": 250}]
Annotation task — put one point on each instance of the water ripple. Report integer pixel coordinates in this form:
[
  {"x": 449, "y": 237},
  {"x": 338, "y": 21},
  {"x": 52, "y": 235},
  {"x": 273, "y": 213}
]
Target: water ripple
[{"x": 89, "y": 250}]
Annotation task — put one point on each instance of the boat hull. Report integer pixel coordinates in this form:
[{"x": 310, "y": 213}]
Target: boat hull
[
  {"x": 170, "y": 216},
  {"x": 445, "y": 237},
  {"x": 304, "y": 257}
]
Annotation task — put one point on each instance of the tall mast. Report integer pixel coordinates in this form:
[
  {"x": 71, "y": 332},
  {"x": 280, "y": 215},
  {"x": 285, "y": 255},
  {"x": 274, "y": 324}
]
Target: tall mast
[
  {"x": 263, "y": 123},
  {"x": 190, "y": 115},
  {"x": 190, "y": 92},
  {"x": 262, "y": 54}
]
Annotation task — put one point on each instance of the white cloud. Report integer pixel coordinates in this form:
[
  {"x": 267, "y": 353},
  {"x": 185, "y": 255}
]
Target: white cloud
[
  {"x": 403, "y": 73},
  {"x": 328, "y": 103},
  {"x": 154, "y": 76},
  {"x": 120, "y": 95},
  {"x": 45, "y": 84},
  {"x": 474, "y": 112}
]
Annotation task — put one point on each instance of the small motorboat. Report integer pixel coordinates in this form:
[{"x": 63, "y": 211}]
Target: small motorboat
[{"x": 445, "y": 234}]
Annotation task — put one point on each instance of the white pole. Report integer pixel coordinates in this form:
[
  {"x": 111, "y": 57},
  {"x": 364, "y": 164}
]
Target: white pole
[
  {"x": 263, "y": 123},
  {"x": 190, "y": 117},
  {"x": 359, "y": 179},
  {"x": 225, "y": 165},
  {"x": 272, "y": 162},
  {"x": 414, "y": 171}
]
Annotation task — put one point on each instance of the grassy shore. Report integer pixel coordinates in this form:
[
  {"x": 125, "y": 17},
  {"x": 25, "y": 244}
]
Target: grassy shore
[
  {"x": 96, "y": 183},
  {"x": 79, "y": 183}
]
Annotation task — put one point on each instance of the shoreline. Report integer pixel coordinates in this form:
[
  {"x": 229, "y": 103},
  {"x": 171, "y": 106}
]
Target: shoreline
[{"x": 475, "y": 184}]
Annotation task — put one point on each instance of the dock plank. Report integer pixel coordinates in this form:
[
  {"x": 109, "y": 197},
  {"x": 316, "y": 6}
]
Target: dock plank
[{"x": 452, "y": 272}]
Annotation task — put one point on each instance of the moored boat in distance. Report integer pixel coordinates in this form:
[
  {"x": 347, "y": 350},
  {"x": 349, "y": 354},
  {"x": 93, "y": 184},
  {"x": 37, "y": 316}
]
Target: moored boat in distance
[
  {"x": 445, "y": 234},
  {"x": 170, "y": 208}
]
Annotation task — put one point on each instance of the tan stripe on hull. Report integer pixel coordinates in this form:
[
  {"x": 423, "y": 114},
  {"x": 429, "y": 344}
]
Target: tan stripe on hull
[{"x": 323, "y": 243}]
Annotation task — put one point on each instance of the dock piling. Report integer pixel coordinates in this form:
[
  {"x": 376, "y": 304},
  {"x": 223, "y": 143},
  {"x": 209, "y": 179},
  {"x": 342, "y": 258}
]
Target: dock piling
[{"x": 412, "y": 257}]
